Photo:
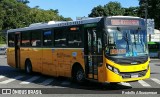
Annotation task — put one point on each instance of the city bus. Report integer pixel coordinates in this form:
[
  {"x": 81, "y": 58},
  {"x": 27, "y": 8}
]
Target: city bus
[
  {"x": 154, "y": 49},
  {"x": 102, "y": 49}
]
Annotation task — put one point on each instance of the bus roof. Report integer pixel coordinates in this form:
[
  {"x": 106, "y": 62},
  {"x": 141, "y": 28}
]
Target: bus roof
[
  {"x": 52, "y": 24},
  {"x": 124, "y": 17}
]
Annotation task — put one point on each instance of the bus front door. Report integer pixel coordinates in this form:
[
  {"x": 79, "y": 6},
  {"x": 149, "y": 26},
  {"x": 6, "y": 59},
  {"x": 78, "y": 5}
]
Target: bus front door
[
  {"x": 93, "y": 53},
  {"x": 17, "y": 50}
]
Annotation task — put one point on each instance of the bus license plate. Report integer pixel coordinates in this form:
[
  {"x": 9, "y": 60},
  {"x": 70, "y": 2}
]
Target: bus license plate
[{"x": 134, "y": 75}]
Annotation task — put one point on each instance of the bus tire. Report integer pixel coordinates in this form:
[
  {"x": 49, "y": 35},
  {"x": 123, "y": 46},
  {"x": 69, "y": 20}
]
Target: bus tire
[
  {"x": 79, "y": 75},
  {"x": 28, "y": 67}
]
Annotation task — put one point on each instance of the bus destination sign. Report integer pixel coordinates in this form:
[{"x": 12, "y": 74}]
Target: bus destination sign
[{"x": 124, "y": 22}]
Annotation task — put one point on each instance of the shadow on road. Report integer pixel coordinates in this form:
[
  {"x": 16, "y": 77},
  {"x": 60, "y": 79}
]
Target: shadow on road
[{"x": 10, "y": 72}]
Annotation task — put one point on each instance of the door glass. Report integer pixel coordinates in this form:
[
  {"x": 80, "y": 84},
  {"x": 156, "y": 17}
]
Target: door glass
[{"x": 89, "y": 51}]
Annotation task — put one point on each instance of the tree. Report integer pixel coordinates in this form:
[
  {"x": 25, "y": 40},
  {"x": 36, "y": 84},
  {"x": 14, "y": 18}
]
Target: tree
[
  {"x": 131, "y": 11},
  {"x": 110, "y": 9},
  {"x": 114, "y": 8},
  {"x": 17, "y": 14},
  {"x": 98, "y": 11},
  {"x": 153, "y": 7}
]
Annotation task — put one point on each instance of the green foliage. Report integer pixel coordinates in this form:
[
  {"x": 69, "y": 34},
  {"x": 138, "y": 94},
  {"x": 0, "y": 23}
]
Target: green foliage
[
  {"x": 131, "y": 11},
  {"x": 113, "y": 9},
  {"x": 98, "y": 11},
  {"x": 153, "y": 7},
  {"x": 110, "y": 9},
  {"x": 2, "y": 38},
  {"x": 16, "y": 14}
]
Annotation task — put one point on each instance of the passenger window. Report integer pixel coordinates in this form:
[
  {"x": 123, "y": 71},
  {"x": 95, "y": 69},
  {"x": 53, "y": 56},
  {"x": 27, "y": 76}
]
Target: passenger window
[
  {"x": 74, "y": 39},
  {"x": 25, "y": 39},
  {"x": 47, "y": 38},
  {"x": 11, "y": 40},
  {"x": 60, "y": 38},
  {"x": 36, "y": 39}
]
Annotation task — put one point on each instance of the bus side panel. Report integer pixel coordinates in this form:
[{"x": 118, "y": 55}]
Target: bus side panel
[
  {"x": 55, "y": 62},
  {"x": 47, "y": 62},
  {"x": 60, "y": 62},
  {"x": 23, "y": 57},
  {"x": 11, "y": 57},
  {"x": 72, "y": 56},
  {"x": 36, "y": 59},
  {"x": 25, "y": 53},
  {"x": 102, "y": 72}
]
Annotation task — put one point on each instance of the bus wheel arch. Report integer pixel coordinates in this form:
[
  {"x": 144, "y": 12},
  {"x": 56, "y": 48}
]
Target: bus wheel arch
[
  {"x": 28, "y": 66},
  {"x": 78, "y": 73}
]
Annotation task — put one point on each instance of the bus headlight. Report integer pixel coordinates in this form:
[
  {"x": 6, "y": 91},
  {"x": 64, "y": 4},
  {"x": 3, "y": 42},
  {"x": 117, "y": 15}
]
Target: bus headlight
[{"x": 115, "y": 70}]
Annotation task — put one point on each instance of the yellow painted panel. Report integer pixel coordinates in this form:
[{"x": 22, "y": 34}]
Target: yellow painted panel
[{"x": 128, "y": 68}]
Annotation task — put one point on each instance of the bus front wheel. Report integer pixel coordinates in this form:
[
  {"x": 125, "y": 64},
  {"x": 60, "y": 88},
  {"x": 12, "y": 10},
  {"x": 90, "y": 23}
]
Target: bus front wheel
[
  {"x": 79, "y": 75},
  {"x": 28, "y": 67}
]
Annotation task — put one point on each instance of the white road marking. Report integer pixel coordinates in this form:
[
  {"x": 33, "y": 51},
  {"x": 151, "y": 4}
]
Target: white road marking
[
  {"x": 30, "y": 80},
  {"x": 58, "y": 87},
  {"x": 46, "y": 82},
  {"x": 143, "y": 83},
  {"x": 11, "y": 80},
  {"x": 125, "y": 84},
  {"x": 156, "y": 80}
]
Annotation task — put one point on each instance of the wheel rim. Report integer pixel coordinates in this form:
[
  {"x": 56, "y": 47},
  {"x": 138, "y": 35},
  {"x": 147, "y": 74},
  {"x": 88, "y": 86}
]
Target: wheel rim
[
  {"x": 28, "y": 69},
  {"x": 79, "y": 75}
]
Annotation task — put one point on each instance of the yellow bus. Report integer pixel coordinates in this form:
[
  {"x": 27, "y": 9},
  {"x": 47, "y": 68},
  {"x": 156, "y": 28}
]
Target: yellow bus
[{"x": 103, "y": 49}]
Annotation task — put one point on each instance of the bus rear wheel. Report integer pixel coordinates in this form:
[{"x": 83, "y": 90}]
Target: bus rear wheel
[
  {"x": 28, "y": 67},
  {"x": 79, "y": 75}
]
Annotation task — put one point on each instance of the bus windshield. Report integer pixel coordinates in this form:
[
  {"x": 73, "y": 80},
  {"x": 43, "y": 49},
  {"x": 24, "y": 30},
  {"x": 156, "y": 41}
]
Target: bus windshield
[{"x": 126, "y": 43}]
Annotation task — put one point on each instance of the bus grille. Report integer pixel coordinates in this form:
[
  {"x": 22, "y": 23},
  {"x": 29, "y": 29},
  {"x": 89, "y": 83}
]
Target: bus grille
[{"x": 133, "y": 74}]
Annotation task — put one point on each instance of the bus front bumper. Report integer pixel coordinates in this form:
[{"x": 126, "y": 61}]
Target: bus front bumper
[{"x": 126, "y": 76}]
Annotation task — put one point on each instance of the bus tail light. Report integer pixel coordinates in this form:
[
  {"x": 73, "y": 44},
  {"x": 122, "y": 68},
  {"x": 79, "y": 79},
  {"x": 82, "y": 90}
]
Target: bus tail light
[{"x": 115, "y": 70}]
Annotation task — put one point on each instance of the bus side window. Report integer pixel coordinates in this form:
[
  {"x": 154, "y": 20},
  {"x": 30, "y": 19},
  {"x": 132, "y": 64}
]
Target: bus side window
[
  {"x": 59, "y": 38},
  {"x": 36, "y": 38},
  {"x": 74, "y": 39},
  {"x": 47, "y": 38},
  {"x": 25, "y": 39},
  {"x": 11, "y": 40}
]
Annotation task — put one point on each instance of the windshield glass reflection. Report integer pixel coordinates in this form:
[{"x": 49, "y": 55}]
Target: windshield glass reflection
[{"x": 126, "y": 43}]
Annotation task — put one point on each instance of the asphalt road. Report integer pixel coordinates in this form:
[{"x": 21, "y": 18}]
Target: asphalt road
[{"x": 18, "y": 82}]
